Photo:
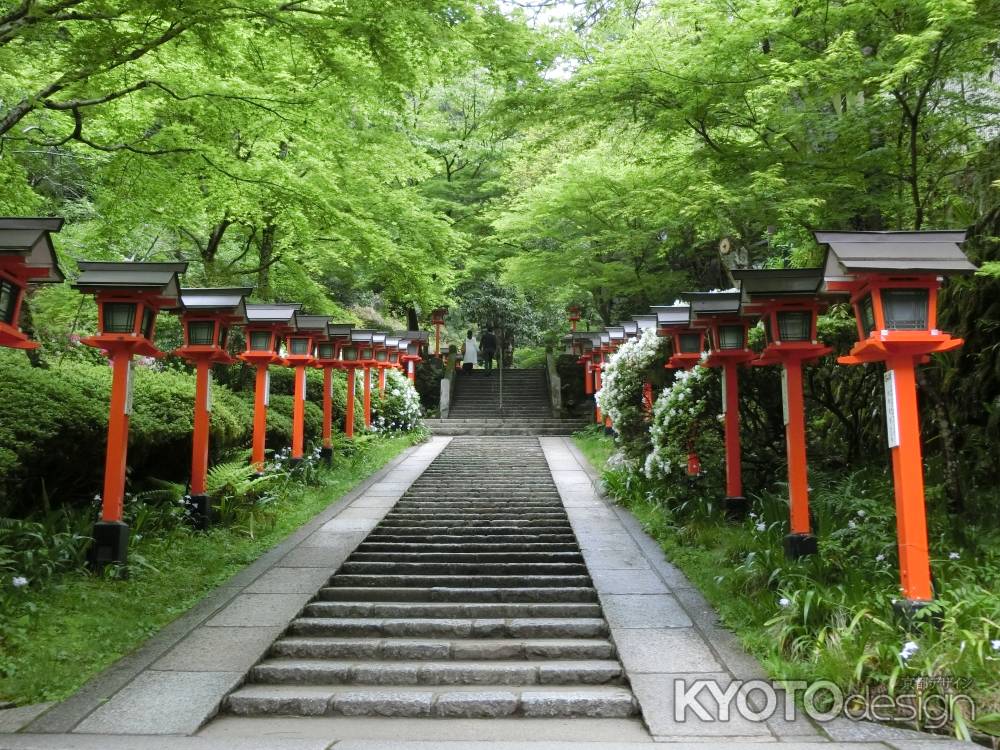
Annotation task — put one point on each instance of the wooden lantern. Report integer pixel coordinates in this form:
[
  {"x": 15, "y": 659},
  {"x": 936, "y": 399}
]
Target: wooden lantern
[{"x": 26, "y": 257}]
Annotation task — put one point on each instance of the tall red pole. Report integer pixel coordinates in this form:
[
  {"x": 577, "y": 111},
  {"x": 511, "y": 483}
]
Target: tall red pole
[
  {"x": 795, "y": 446},
  {"x": 437, "y": 339},
  {"x": 597, "y": 387},
  {"x": 647, "y": 397},
  {"x": 735, "y": 502},
  {"x": 327, "y": 407},
  {"x": 299, "y": 413},
  {"x": 117, "y": 448},
  {"x": 260, "y": 401},
  {"x": 368, "y": 396},
  {"x": 588, "y": 378},
  {"x": 202, "y": 422},
  {"x": 411, "y": 371},
  {"x": 908, "y": 480},
  {"x": 381, "y": 380},
  {"x": 349, "y": 416}
]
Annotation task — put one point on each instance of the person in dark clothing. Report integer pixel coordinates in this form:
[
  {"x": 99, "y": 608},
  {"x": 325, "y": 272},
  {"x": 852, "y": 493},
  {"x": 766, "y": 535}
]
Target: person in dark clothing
[{"x": 488, "y": 347}]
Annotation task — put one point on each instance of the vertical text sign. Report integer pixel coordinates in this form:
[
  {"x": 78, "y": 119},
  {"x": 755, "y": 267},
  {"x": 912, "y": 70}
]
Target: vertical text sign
[
  {"x": 267, "y": 388},
  {"x": 724, "y": 409},
  {"x": 784, "y": 394},
  {"x": 891, "y": 412}
]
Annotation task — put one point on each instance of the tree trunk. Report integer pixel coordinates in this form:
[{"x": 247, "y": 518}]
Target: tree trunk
[
  {"x": 266, "y": 259},
  {"x": 949, "y": 445}
]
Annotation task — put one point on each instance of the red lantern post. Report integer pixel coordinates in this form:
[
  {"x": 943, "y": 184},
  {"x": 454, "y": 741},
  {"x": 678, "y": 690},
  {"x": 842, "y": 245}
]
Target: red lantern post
[
  {"x": 363, "y": 339},
  {"x": 350, "y": 358},
  {"x": 437, "y": 318},
  {"x": 892, "y": 279},
  {"x": 415, "y": 340},
  {"x": 719, "y": 314},
  {"x": 381, "y": 353},
  {"x": 267, "y": 322},
  {"x": 328, "y": 358},
  {"x": 129, "y": 297},
  {"x": 26, "y": 256},
  {"x": 207, "y": 315},
  {"x": 786, "y": 301},
  {"x": 574, "y": 316},
  {"x": 301, "y": 353},
  {"x": 388, "y": 359},
  {"x": 644, "y": 323}
]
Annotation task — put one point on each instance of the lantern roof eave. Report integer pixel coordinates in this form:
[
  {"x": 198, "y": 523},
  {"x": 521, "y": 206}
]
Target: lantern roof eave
[
  {"x": 228, "y": 300},
  {"x": 275, "y": 313},
  {"x": 779, "y": 282},
  {"x": 30, "y": 238},
  {"x": 850, "y": 254},
  {"x": 161, "y": 278}
]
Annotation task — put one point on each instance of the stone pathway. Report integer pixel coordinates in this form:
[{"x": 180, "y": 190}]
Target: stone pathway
[{"x": 511, "y": 621}]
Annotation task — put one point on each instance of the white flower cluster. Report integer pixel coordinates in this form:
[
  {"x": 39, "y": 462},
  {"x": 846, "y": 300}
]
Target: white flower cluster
[
  {"x": 674, "y": 403},
  {"x": 400, "y": 410},
  {"x": 619, "y": 379}
]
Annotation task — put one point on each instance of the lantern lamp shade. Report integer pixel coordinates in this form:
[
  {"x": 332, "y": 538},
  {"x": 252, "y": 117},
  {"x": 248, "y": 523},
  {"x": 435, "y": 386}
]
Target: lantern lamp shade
[
  {"x": 201, "y": 332},
  {"x": 795, "y": 325},
  {"x": 298, "y": 345},
  {"x": 260, "y": 341},
  {"x": 349, "y": 353},
  {"x": 690, "y": 343},
  {"x": 118, "y": 317},
  {"x": 9, "y": 293},
  {"x": 30, "y": 239},
  {"x": 325, "y": 350},
  {"x": 223, "y": 336},
  {"x": 731, "y": 336},
  {"x": 905, "y": 309}
]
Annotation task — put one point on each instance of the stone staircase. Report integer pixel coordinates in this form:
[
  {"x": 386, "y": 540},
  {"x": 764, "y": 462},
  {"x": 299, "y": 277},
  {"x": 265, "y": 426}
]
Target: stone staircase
[
  {"x": 475, "y": 407},
  {"x": 469, "y": 599}
]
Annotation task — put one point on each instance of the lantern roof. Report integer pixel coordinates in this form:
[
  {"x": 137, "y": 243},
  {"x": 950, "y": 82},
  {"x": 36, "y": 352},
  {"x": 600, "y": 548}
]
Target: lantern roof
[
  {"x": 378, "y": 337},
  {"x": 933, "y": 251},
  {"x": 273, "y": 312},
  {"x": 630, "y": 326},
  {"x": 779, "y": 282},
  {"x": 99, "y": 276},
  {"x": 616, "y": 332},
  {"x": 605, "y": 337},
  {"x": 714, "y": 303},
  {"x": 392, "y": 341},
  {"x": 339, "y": 330},
  {"x": 362, "y": 335},
  {"x": 645, "y": 321},
  {"x": 30, "y": 238},
  {"x": 414, "y": 335},
  {"x": 311, "y": 323},
  {"x": 229, "y": 300},
  {"x": 672, "y": 315}
]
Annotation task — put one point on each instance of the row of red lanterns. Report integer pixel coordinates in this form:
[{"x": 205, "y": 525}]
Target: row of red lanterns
[
  {"x": 891, "y": 280},
  {"x": 129, "y": 298}
]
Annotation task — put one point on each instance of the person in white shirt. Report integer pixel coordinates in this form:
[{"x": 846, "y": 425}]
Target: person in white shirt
[{"x": 470, "y": 353}]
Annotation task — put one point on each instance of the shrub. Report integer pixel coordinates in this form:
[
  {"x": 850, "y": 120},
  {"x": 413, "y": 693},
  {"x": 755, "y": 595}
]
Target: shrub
[
  {"x": 399, "y": 409},
  {"x": 620, "y": 396}
]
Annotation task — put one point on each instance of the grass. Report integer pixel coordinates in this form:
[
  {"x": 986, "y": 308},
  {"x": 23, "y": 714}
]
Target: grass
[
  {"x": 830, "y": 617},
  {"x": 78, "y": 624}
]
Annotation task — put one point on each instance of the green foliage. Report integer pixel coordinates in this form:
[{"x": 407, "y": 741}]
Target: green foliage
[{"x": 831, "y": 616}]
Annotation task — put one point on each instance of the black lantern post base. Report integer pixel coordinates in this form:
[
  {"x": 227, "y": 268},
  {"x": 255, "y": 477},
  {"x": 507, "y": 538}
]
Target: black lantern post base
[
  {"x": 199, "y": 510},
  {"x": 735, "y": 508},
  {"x": 294, "y": 463},
  {"x": 326, "y": 455},
  {"x": 110, "y": 545},
  {"x": 800, "y": 545},
  {"x": 907, "y": 611}
]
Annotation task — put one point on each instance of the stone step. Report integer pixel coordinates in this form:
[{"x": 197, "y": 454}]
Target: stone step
[
  {"x": 463, "y": 556},
  {"x": 502, "y": 528},
  {"x": 468, "y": 594},
  {"x": 454, "y": 672},
  {"x": 458, "y": 581},
  {"x": 411, "y": 649},
  {"x": 392, "y": 568},
  {"x": 539, "y": 431},
  {"x": 457, "y": 701},
  {"x": 460, "y": 549},
  {"x": 458, "y": 538},
  {"x": 523, "y": 627},
  {"x": 444, "y": 514},
  {"x": 444, "y": 610}
]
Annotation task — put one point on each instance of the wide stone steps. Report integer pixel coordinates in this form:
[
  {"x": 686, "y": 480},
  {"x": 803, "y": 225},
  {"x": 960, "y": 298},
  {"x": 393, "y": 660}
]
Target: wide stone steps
[
  {"x": 451, "y": 609},
  {"x": 419, "y": 649},
  {"x": 451, "y": 702},
  {"x": 470, "y": 599},
  {"x": 349, "y": 672}
]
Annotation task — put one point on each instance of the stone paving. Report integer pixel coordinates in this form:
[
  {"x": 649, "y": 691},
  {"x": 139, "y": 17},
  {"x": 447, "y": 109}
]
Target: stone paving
[{"x": 164, "y": 696}]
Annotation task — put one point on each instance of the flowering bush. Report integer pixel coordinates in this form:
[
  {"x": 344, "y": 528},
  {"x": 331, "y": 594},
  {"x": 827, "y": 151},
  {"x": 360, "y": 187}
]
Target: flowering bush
[
  {"x": 620, "y": 396},
  {"x": 686, "y": 419},
  {"x": 399, "y": 409}
]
